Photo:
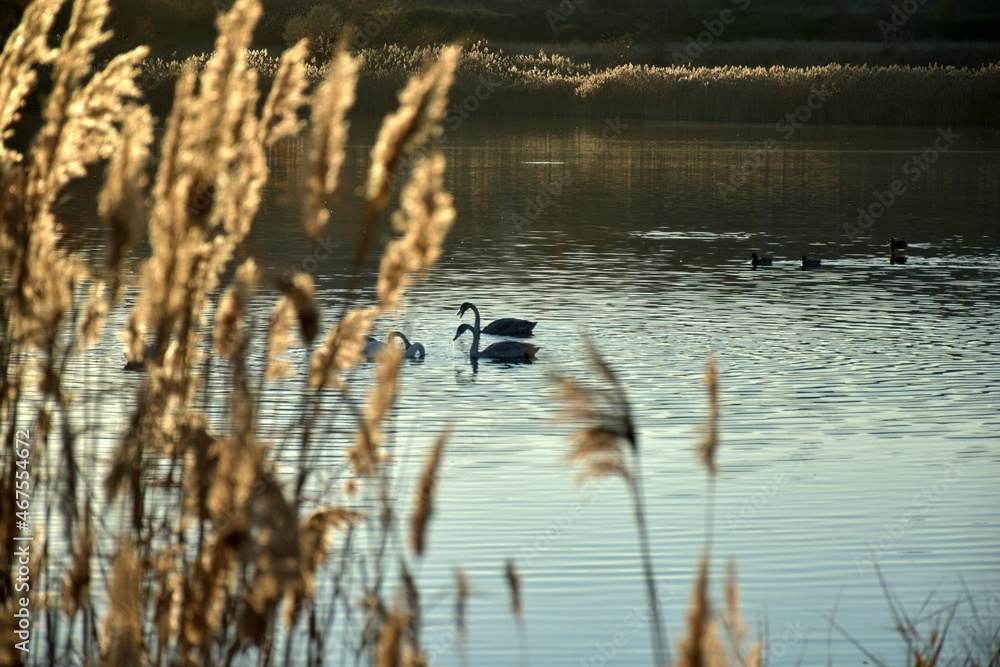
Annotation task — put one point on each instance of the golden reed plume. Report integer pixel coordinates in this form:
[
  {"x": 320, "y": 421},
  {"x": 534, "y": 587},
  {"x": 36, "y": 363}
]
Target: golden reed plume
[
  {"x": 330, "y": 102},
  {"x": 710, "y": 439},
  {"x": 424, "y": 501}
]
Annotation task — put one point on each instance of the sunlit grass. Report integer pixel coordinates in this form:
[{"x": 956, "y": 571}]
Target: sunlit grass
[{"x": 546, "y": 84}]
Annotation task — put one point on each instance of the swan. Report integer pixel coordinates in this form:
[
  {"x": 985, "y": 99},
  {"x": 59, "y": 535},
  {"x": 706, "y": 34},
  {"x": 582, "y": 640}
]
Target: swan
[
  {"x": 510, "y": 350},
  {"x": 810, "y": 263},
  {"x": 897, "y": 259},
  {"x": 756, "y": 261},
  {"x": 411, "y": 351},
  {"x": 507, "y": 326},
  {"x": 897, "y": 243},
  {"x": 373, "y": 347}
]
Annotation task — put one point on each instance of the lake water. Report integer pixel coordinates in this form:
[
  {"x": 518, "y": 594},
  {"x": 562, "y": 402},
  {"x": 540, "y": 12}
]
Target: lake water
[{"x": 860, "y": 400}]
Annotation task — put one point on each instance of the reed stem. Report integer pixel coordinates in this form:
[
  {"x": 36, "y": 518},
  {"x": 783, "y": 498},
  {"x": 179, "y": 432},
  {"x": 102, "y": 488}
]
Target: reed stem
[{"x": 661, "y": 650}]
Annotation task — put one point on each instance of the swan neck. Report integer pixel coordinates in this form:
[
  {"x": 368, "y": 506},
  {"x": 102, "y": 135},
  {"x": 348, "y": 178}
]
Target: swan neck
[
  {"x": 474, "y": 350},
  {"x": 476, "y": 311}
]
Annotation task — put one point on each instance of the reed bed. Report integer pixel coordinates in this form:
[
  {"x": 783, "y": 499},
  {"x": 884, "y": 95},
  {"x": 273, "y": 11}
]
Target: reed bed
[
  {"x": 211, "y": 541},
  {"x": 555, "y": 85},
  {"x": 624, "y": 49}
]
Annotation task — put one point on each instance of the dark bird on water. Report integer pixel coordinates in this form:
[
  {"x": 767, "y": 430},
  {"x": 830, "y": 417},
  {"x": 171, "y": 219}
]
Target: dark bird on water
[
  {"x": 508, "y": 350},
  {"x": 507, "y": 326}
]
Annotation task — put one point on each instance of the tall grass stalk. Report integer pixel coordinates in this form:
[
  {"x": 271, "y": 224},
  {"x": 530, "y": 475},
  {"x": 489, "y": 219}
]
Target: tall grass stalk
[
  {"x": 709, "y": 444},
  {"x": 605, "y": 428}
]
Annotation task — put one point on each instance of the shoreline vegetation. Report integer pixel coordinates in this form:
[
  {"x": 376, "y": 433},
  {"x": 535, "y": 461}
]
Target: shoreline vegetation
[
  {"x": 490, "y": 83},
  {"x": 211, "y": 533}
]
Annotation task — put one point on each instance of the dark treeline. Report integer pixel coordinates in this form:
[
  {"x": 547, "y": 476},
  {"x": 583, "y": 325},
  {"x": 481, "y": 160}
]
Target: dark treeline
[{"x": 185, "y": 27}]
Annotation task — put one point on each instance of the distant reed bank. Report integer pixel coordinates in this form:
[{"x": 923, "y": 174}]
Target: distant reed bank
[{"x": 493, "y": 83}]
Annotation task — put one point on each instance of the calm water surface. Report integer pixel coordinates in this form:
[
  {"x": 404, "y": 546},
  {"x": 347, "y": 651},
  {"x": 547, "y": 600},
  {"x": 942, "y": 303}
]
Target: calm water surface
[{"x": 861, "y": 402}]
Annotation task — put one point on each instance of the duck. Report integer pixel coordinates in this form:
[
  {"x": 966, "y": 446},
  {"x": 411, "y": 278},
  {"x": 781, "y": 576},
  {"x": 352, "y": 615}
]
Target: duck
[
  {"x": 506, "y": 326},
  {"x": 756, "y": 261},
  {"x": 508, "y": 350},
  {"x": 148, "y": 352},
  {"x": 411, "y": 351},
  {"x": 897, "y": 259},
  {"x": 810, "y": 263},
  {"x": 895, "y": 243}
]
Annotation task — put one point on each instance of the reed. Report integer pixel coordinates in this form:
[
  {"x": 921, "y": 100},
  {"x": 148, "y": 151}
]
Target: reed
[
  {"x": 547, "y": 84},
  {"x": 216, "y": 552},
  {"x": 606, "y": 429}
]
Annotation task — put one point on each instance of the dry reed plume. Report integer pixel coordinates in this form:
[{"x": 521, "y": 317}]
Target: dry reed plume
[
  {"x": 425, "y": 495},
  {"x": 702, "y": 644},
  {"x": 212, "y": 553},
  {"x": 605, "y": 427},
  {"x": 601, "y": 443}
]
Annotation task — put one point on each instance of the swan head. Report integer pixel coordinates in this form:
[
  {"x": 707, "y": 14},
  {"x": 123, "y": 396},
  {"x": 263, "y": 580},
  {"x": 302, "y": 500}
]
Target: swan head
[
  {"x": 464, "y": 307},
  {"x": 462, "y": 328},
  {"x": 753, "y": 255}
]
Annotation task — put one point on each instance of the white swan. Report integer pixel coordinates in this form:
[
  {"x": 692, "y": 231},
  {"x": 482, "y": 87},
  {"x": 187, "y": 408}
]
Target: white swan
[
  {"x": 506, "y": 326},
  {"x": 511, "y": 350}
]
